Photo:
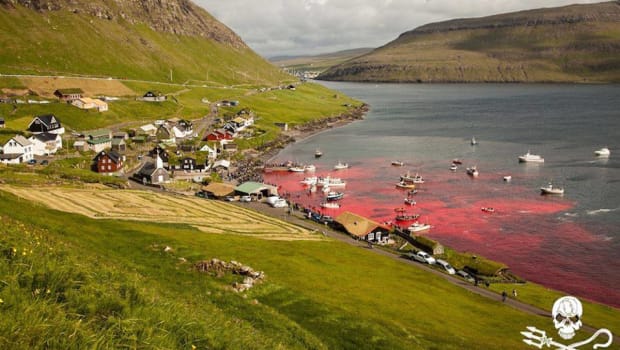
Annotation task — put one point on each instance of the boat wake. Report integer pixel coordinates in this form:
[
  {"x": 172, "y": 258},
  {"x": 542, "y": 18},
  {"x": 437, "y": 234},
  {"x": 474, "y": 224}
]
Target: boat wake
[{"x": 601, "y": 211}]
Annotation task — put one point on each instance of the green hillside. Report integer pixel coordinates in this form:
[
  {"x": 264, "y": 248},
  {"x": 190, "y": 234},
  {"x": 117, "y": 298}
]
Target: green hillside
[
  {"x": 317, "y": 63},
  {"x": 577, "y": 43},
  {"x": 73, "y": 40}
]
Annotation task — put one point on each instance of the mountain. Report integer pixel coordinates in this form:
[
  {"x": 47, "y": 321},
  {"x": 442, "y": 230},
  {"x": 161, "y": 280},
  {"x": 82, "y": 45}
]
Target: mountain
[
  {"x": 162, "y": 40},
  {"x": 318, "y": 62},
  {"x": 577, "y": 43}
]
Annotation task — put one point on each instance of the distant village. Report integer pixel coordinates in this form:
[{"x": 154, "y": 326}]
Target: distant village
[{"x": 152, "y": 143}]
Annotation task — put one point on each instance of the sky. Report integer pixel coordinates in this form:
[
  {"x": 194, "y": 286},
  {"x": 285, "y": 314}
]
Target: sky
[{"x": 309, "y": 27}]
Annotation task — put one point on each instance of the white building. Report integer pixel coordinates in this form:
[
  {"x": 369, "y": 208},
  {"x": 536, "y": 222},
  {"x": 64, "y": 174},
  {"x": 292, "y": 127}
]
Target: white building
[
  {"x": 17, "y": 150},
  {"x": 45, "y": 144},
  {"x": 90, "y": 103}
]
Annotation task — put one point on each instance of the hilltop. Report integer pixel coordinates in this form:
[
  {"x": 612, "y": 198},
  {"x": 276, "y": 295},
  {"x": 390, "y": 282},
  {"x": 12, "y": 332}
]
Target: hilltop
[
  {"x": 168, "y": 40},
  {"x": 577, "y": 43}
]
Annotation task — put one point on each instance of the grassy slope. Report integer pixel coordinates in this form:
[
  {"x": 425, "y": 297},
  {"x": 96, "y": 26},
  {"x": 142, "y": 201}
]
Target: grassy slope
[
  {"x": 111, "y": 285},
  {"x": 562, "y": 52},
  {"x": 319, "y": 62},
  {"x": 63, "y": 43}
]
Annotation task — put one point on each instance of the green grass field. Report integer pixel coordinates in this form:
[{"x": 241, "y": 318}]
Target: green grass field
[{"x": 73, "y": 282}]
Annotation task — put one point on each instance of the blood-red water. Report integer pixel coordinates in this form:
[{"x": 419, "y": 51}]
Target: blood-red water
[{"x": 525, "y": 231}]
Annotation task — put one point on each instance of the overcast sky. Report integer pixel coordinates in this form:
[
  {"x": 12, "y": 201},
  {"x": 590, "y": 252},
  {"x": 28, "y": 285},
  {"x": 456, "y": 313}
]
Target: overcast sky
[{"x": 299, "y": 27}]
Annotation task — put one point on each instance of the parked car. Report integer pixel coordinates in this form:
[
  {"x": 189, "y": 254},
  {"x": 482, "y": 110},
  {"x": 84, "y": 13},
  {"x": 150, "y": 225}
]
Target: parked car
[
  {"x": 246, "y": 199},
  {"x": 326, "y": 219},
  {"x": 32, "y": 161},
  {"x": 465, "y": 276},
  {"x": 230, "y": 198},
  {"x": 44, "y": 162},
  {"x": 444, "y": 265},
  {"x": 422, "y": 257}
]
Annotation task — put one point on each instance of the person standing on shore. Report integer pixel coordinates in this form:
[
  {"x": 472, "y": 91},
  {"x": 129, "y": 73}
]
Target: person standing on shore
[
  {"x": 504, "y": 295},
  {"x": 514, "y": 293}
]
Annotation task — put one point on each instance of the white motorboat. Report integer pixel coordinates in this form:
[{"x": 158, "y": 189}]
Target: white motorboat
[
  {"x": 331, "y": 182},
  {"x": 472, "y": 171},
  {"x": 473, "y": 141},
  {"x": 310, "y": 168},
  {"x": 310, "y": 180},
  {"x": 334, "y": 196},
  {"x": 453, "y": 167},
  {"x": 341, "y": 166},
  {"x": 330, "y": 205},
  {"x": 550, "y": 189},
  {"x": 415, "y": 179},
  {"x": 297, "y": 169},
  {"x": 531, "y": 158},
  {"x": 603, "y": 152},
  {"x": 418, "y": 227},
  {"x": 398, "y": 163},
  {"x": 410, "y": 201},
  {"x": 507, "y": 178},
  {"x": 318, "y": 153}
]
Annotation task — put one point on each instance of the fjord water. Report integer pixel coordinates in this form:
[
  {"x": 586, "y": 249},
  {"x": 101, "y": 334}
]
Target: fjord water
[{"x": 571, "y": 242}]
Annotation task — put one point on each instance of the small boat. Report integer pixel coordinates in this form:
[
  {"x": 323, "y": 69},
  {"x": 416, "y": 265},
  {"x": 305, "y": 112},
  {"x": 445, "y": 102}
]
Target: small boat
[
  {"x": 410, "y": 201},
  {"x": 341, "y": 166},
  {"x": 472, "y": 171},
  {"x": 507, "y": 178},
  {"x": 473, "y": 141},
  {"x": 550, "y": 189},
  {"x": 453, "y": 167},
  {"x": 397, "y": 163},
  {"x": 310, "y": 180},
  {"x": 310, "y": 168},
  {"x": 412, "y": 192},
  {"x": 418, "y": 227},
  {"x": 416, "y": 179},
  {"x": 488, "y": 209},
  {"x": 297, "y": 169},
  {"x": 603, "y": 152},
  {"x": 531, "y": 158},
  {"x": 403, "y": 184},
  {"x": 457, "y": 161},
  {"x": 406, "y": 217},
  {"x": 318, "y": 153},
  {"x": 331, "y": 182},
  {"x": 330, "y": 205},
  {"x": 334, "y": 196}
]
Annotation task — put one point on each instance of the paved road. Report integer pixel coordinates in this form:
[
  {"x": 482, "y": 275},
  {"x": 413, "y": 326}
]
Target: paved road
[{"x": 299, "y": 219}]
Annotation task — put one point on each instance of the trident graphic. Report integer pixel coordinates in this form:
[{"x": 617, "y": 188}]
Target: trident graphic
[{"x": 567, "y": 313}]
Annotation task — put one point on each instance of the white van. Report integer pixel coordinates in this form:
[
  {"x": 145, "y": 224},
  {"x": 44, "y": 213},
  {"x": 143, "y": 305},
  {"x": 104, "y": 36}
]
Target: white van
[{"x": 446, "y": 266}]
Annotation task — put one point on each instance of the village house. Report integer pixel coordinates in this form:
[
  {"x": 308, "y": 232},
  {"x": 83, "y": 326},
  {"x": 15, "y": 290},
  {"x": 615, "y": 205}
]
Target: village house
[
  {"x": 119, "y": 145},
  {"x": 211, "y": 151},
  {"x": 256, "y": 189},
  {"x": 80, "y": 145},
  {"x": 90, "y": 103},
  {"x": 165, "y": 134},
  {"x": 230, "y": 147},
  {"x": 362, "y": 228},
  {"x": 218, "y": 190},
  {"x": 219, "y": 135},
  {"x": 16, "y": 150},
  {"x": 68, "y": 95},
  {"x": 148, "y": 130},
  {"x": 99, "y": 139},
  {"x": 153, "y": 173},
  {"x": 108, "y": 162},
  {"x": 161, "y": 153},
  {"x": 45, "y": 143},
  {"x": 154, "y": 96},
  {"x": 188, "y": 163},
  {"x": 46, "y": 123}
]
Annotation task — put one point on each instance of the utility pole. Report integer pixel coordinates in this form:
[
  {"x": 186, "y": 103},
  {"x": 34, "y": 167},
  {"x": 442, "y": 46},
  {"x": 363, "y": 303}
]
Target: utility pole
[{"x": 171, "y": 75}]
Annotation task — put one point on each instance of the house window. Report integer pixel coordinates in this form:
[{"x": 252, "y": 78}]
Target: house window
[{"x": 109, "y": 167}]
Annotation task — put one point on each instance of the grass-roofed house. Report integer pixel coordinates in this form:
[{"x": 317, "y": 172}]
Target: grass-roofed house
[
  {"x": 362, "y": 228},
  {"x": 257, "y": 190}
]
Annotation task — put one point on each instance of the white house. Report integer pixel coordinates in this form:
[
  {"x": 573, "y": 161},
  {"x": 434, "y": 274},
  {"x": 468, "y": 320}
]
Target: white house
[
  {"x": 17, "y": 150},
  {"x": 211, "y": 152},
  {"x": 148, "y": 129},
  {"x": 45, "y": 143}
]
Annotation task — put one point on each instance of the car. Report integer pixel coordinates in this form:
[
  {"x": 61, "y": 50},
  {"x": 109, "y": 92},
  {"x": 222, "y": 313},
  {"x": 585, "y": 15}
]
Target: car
[
  {"x": 422, "y": 257},
  {"x": 44, "y": 162},
  {"x": 246, "y": 199},
  {"x": 465, "y": 276},
  {"x": 444, "y": 265},
  {"x": 230, "y": 198},
  {"x": 32, "y": 161},
  {"x": 326, "y": 219}
]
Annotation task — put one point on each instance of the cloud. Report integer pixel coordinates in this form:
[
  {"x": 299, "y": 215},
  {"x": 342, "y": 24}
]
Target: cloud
[{"x": 293, "y": 27}]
